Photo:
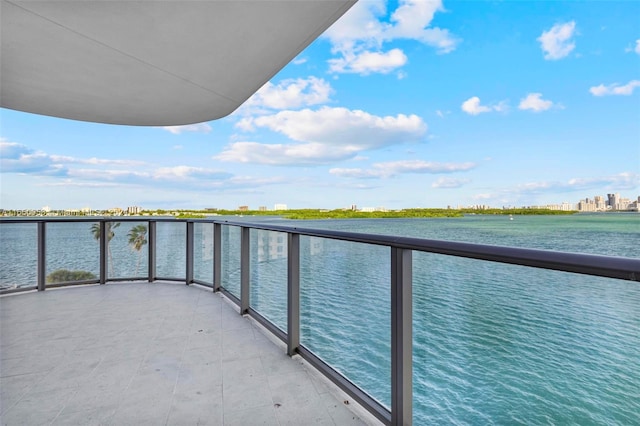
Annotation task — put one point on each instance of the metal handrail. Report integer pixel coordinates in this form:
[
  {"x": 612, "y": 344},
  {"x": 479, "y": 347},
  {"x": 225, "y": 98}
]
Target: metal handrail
[{"x": 625, "y": 268}]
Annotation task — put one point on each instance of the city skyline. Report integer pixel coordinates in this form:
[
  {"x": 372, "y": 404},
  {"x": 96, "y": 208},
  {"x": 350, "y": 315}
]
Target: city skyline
[
  {"x": 399, "y": 104},
  {"x": 599, "y": 203}
]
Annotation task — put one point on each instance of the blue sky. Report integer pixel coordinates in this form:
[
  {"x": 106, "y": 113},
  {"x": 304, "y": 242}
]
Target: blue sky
[{"x": 409, "y": 104}]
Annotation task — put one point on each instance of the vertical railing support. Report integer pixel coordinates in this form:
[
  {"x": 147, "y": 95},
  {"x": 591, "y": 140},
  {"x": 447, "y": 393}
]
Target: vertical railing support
[
  {"x": 189, "y": 254},
  {"x": 217, "y": 256},
  {"x": 42, "y": 256},
  {"x": 245, "y": 253},
  {"x": 401, "y": 337},
  {"x": 151, "y": 239},
  {"x": 104, "y": 252},
  {"x": 293, "y": 294}
]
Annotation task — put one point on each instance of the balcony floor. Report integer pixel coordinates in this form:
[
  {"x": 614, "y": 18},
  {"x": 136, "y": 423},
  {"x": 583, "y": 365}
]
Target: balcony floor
[{"x": 153, "y": 354}]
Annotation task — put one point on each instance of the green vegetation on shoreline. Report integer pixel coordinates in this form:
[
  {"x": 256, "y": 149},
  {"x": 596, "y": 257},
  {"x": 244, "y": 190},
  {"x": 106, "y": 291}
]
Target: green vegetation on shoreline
[{"x": 308, "y": 214}]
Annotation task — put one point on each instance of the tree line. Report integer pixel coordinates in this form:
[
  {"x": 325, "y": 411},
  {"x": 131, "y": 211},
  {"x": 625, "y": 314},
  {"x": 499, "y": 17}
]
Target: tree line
[{"x": 356, "y": 214}]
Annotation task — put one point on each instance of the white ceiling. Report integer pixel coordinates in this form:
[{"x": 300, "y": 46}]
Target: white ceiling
[{"x": 149, "y": 63}]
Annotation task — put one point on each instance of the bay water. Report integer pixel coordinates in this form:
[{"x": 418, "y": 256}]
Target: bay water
[{"x": 493, "y": 343}]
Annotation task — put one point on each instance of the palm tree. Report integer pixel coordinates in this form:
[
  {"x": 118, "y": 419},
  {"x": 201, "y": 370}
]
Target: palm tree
[
  {"x": 95, "y": 230},
  {"x": 137, "y": 239}
]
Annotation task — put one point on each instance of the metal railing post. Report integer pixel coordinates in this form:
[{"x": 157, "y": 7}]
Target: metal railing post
[
  {"x": 151, "y": 238},
  {"x": 401, "y": 337},
  {"x": 293, "y": 294},
  {"x": 104, "y": 252},
  {"x": 189, "y": 254},
  {"x": 217, "y": 256},
  {"x": 42, "y": 257},
  {"x": 245, "y": 254}
]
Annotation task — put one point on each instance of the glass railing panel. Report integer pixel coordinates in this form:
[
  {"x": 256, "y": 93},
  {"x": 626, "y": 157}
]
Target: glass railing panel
[
  {"x": 269, "y": 276},
  {"x": 18, "y": 255},
  {"x": 345, "y": 310},
  {"x": 505, "y": 344},
  {"x": 230, "y": 272},
  {"x": 171, "y": 238},
  {"x": 128, "y": 250},
  {"x": 72, "y": 251},
  {"x": 203, "y": 252}
]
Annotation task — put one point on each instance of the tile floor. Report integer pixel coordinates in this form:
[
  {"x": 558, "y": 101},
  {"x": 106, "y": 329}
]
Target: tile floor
[{"x": 153, "y": 354}]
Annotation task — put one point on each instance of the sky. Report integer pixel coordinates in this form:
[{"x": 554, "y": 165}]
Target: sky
[{"x": 397, "y": 105}]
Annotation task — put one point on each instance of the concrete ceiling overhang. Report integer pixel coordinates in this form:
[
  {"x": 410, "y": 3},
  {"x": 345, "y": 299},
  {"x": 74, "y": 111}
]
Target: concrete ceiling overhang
[{"x": 149, "y": 63}]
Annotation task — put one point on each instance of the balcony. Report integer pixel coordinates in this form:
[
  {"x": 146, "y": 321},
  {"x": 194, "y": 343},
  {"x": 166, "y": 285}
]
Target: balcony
[
  {"x": 147, "y": 347},
  {"x": 135, "y": 353}
]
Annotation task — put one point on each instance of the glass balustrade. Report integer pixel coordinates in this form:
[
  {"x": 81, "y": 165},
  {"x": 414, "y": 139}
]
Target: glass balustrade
[
  {"x": 203, "y": 253},
  {"x": 128, "y": 250},
  {"x": 505, "y": 344},
  {"x": 171, "y": 260},
  {"x": 345, "y": 316},
  {"x": 18, "y": 255},
  {"x": 230, "y": 274},
  {"x": 492, "y": 342},
  {"x": 73, "y": 252},
  {"x": 269, "y": 276}
]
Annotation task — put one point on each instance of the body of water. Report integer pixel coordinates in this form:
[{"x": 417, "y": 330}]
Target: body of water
[{"x": 493, "y": 343}]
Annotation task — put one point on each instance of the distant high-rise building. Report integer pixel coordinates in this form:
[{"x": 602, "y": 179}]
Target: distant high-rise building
[
  {"x": 243, "y": 208},
  {"x": 280, "y": 207},
  {"x": 587, "y": 205},
  {"x": 601, "y": 205}
]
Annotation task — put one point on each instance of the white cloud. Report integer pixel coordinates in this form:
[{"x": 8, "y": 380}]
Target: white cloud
[
  {"x": 412, "y": 18},
  {"x": 359, "y": 35},
  {"x": 620, "y": 181},
  {"x": 324, "y": 135},
  {"x": 525, "y": 193},
  {"x": 449, "y": 183},
  {"x": 196, "y": 128},
  {"x": 341, "y": 126},
  {"x": 535, "y": 103},
  {"x": 291, "y": 93},
  {"x": 615, "y": 89},
  {"x": 284, "y": 155},
  {"x": 472, "y": 106},
  {"x": 94, "y": 161},
  {"x": 245, "y": 124},
  {"x": 111, "y": 175},
  {"x": 393, "y": 168},
  {"x": 252, "y": 181},
  {"x": 625, "y": 180},
  {"x": 501, "y": 106},
  {"x": 182, "y": 173},
  {"x": 557, "y": 42},
  {"x": 66, "y": 183},
  {"x": 367, "y": 62},
  {"x": 634, "y": 47},
  {"x": 18, "y": 158}
]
